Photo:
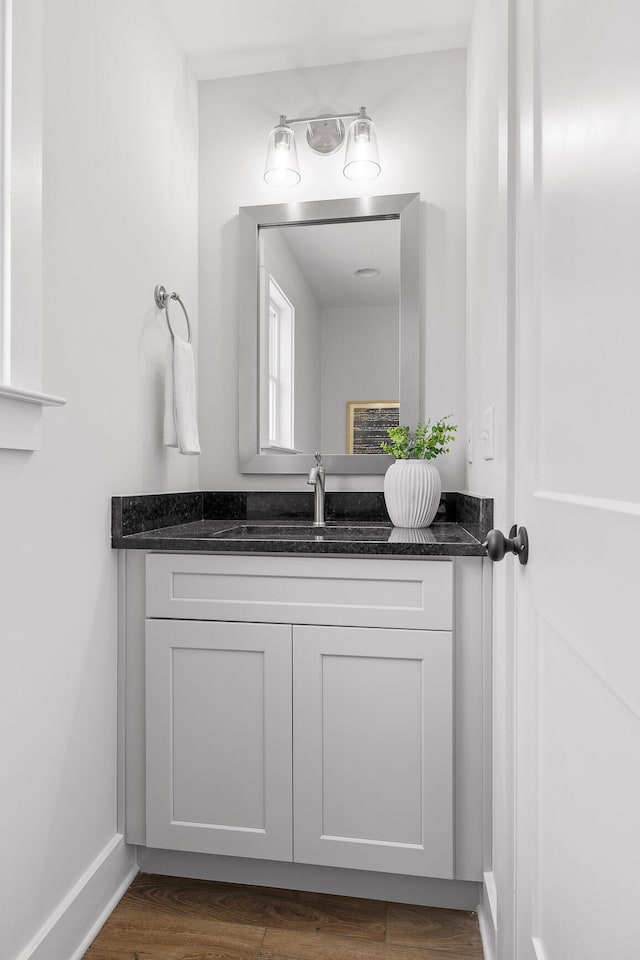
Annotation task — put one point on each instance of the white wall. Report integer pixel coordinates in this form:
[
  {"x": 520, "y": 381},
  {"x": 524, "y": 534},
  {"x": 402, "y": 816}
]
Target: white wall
[
  {"x": 359, "y": 362},
  {"x": 489, "y": 353},
  {"x": 418, "y": 104},
  {"x": 120, "y": 214}
]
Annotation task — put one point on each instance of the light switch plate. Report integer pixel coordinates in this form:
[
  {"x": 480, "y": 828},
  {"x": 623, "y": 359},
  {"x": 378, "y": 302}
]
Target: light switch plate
[
  {"x": 470, "y": 442},
  {"x": 488, "y": 421}
]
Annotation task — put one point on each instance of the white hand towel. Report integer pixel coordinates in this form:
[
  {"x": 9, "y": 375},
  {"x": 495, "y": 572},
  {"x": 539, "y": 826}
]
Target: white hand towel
[
  {"x": 180, "y": 419},
  {"x": 170, "y": 437}
]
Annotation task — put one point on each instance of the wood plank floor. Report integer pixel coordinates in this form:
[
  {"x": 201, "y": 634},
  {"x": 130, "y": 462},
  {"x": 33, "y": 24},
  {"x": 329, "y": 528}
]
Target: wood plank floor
[{"x": 168, "y": 918}]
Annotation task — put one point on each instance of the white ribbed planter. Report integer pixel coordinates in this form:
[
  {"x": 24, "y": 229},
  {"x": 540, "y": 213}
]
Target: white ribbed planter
[{"x": 412, "y": 492}]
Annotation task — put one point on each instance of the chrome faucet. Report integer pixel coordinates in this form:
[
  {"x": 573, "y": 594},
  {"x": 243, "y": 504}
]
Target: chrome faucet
[{"x": 316, "y": 478}]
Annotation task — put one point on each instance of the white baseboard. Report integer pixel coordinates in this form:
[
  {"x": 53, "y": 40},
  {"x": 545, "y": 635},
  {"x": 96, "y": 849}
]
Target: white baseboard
[
  {"x": 454, "y": 894},
  {"x": 68, "y": 932},
  {"x": 488, "y": 916},
  {"x": 538, "y": 948}
]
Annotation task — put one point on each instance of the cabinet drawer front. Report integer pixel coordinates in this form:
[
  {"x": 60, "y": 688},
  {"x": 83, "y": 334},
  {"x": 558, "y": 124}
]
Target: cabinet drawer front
[
  {"x": 218, "y": 738},
  {"x": 409, "y": 594},
  {"x": 373, "y": 749}
]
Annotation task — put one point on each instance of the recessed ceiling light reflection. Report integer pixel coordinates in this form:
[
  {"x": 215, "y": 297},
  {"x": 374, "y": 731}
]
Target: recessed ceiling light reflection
[{"x": 366, "y": 273}]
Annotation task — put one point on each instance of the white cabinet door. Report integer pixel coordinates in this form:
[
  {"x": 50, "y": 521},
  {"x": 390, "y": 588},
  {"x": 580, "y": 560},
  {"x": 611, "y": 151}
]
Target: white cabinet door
[
  {"x": 218, "y": 738},
  {"x": 373, "y": 749}
]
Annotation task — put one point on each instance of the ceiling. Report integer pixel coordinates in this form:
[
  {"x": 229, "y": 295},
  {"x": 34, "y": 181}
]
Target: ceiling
[
  {"x": 329, "y": 253},
  {"x": 228, "y": 38}
]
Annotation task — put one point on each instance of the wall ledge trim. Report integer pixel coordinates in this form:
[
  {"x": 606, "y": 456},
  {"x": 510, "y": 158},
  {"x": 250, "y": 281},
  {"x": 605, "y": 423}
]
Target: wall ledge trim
[
  {"x": 30, "y": 396},
  {"x": 21, "y": 417},
  {"x": 77, "y": 920}
]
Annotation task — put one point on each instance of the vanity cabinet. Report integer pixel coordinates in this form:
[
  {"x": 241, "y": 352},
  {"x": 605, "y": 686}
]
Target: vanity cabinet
[{"x": 317, "y": 710}]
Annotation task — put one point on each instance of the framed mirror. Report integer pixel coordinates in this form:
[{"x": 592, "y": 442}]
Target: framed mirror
[{"x": 329, "y": 351}]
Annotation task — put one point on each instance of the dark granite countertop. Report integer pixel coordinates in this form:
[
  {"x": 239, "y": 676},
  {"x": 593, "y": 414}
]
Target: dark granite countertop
[{"x": 357, "y": 525}]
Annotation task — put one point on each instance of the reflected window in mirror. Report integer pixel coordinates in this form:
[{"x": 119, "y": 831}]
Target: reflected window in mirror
[{"x": 281, "y": 369}]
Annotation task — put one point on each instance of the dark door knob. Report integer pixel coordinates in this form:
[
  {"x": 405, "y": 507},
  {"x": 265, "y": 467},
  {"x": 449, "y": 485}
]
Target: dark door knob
[{"x": 497, "y": 545}]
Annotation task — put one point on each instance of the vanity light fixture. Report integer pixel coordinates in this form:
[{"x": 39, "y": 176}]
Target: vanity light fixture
[
  {"x": 325, "y": 135},
  {"x": 281, "y": 169},
  {"x": 361, "y": 160}
]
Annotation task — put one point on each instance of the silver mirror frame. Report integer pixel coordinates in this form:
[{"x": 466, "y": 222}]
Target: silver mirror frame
[{"x": 403, "y": 206}]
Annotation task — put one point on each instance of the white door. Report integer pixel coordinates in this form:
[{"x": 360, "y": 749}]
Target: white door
[
  {"x": 373, "y": 749},
  {"x": 218, "y": 737},
  {"x": 578, "y": 480}
]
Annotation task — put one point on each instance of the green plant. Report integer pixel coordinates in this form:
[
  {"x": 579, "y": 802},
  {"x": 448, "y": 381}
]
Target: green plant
[{"x": 426, "y": 443}]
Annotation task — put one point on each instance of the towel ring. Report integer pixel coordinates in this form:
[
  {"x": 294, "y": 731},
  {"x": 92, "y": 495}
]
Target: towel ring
[{"x": 162, "y": 299}]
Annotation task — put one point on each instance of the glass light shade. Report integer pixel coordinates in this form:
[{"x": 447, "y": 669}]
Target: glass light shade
[
  {"x": 281, "y": 168},
  {"x": 361, "y": 160}
]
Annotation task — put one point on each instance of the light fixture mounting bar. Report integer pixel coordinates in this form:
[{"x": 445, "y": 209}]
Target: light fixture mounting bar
[{"x": 323, "y": 116}]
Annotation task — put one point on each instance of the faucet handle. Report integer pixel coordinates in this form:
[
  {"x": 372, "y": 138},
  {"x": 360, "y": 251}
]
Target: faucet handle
[{"x": 318, "y": 457}]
